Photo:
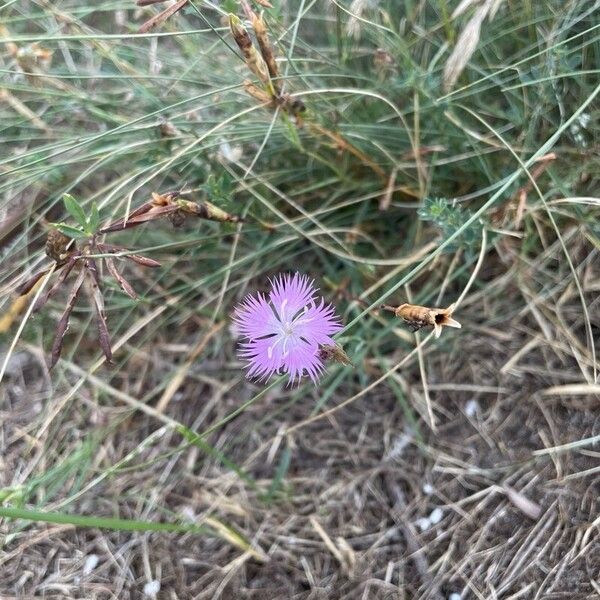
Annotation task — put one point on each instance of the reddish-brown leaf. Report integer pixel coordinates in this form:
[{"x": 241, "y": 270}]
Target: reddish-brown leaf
[
  {"x": 98, "y": 301},
  {"x": 41, "y": 301},
  {"x": 63, "y": 324},
  {"x": 26, "y": 287},
  {"x": 143, "y": 260},
  {"x": 123, "y": 283},
  {"x": 121, "y": 223},
  {"x": 162, "y": 17},
  {"x": 138, "y": 218},
  {"x": 137, "y": 258}
]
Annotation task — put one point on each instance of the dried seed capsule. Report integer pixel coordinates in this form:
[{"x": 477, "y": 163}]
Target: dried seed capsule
[
  {"x": 422, "y": 316},
  {"x": 266, "y": 49},
  {"x": 206, "y": 210},
  {"x": 257, "y": 93},
  {"x": 56, "y": 245},
  {"x": 253, "y": 59},
  {"x": 335, "y": 353}
]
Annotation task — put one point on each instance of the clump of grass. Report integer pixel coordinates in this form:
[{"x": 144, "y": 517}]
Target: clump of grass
[{"x": 428, "y": 466}]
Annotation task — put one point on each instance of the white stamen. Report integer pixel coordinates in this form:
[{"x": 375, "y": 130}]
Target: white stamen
[{"x": 283, "y": 305}]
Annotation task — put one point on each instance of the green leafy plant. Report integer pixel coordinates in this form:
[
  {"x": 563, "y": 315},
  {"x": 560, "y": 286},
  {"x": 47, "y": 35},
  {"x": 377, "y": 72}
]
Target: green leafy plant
[
  {"x": 451, "y": 218},
  {"x": 87, "y": 225}
]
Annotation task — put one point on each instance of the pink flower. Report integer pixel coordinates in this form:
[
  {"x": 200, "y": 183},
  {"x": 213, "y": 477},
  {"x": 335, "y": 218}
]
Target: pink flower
[{"x": 284, "y": 331}]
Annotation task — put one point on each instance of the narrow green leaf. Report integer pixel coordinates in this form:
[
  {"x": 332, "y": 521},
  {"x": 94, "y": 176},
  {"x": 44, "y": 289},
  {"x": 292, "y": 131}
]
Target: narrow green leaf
[
  {"x": 197, "y": 441},
  {"x": 280, "y": 472},
  {"x": 74, "y": 209},
  {"x": 70, "y": 231},
  {"x": 99, "y": 522},
  {"x": 94, "y": 220}
]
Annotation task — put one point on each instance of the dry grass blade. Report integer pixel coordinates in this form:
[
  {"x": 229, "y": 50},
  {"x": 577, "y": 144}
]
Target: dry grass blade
[
  {"x": 339, "y": 490},
  {"x": 466, "y": 45},
  {"x": 524, "y": 504},
  {"x": 573, "y": 389},
  {"x": 233, "y": 537},
  {"x": 468, "y": 39}
]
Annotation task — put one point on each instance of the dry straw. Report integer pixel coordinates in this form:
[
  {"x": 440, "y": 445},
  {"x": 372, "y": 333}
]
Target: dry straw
[{"x": 468, "y": 39}]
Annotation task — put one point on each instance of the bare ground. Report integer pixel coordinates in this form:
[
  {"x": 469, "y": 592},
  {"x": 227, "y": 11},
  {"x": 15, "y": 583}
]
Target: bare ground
[{"x": 370, "y": 506}]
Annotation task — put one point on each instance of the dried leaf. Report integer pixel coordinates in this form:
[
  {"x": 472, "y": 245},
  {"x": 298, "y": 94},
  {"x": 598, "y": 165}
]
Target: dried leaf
[
  {"x": 162, "y": 16},
  {"x": 63, "y": 324},
  {"x": 143, "y": 260},
  {"x": 386, "y": 199},
  {"x": 98, "y": 300},
  {"x": 137, "y": 258},
  {"x": 147, "y": 212},
  {"x": 41, "y": 301},
  {"x": 26, "y": 287},
  {"x": 230, "y": 535},
  {"x": 123, "y": 283}
]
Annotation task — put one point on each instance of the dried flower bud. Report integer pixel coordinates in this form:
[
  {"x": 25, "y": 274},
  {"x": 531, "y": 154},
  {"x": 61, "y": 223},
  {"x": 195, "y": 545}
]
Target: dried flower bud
[
  {"x": 266, "y": 49},
  {"x": 167, "y": 129},
  {"x": 206, "y": 210},
  {"x": 383, "y": 60},
  {"x": 253, "y": 59},
  {"x": 56, "y": 245},
  {"x": 422, "y": 316},
  {"x": 335, "y": 353},
  {"x": 257, "y": 93}
]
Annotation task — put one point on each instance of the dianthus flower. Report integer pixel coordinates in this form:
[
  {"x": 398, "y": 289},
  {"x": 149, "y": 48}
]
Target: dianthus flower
[{"x": 283, "y": 331}]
